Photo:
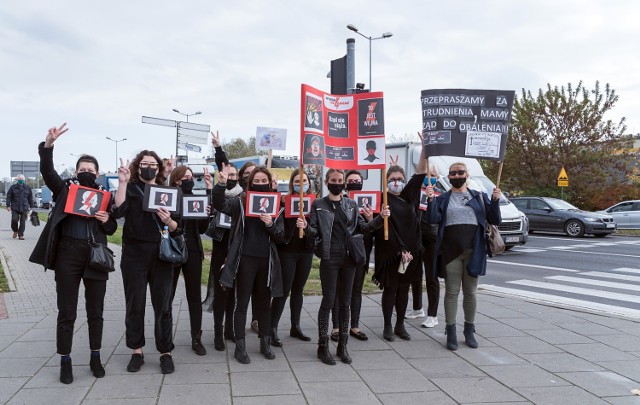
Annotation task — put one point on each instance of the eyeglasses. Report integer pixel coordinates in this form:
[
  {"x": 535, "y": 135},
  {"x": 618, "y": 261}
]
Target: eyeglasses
[
  {"x": 457, "y": 172},
  {"x": 144, "y": 165},
  {"x": 233, "y": 175}
]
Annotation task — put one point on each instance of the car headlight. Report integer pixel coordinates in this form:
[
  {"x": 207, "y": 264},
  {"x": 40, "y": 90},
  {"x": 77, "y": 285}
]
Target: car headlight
[{"x": 588, "y": 219}]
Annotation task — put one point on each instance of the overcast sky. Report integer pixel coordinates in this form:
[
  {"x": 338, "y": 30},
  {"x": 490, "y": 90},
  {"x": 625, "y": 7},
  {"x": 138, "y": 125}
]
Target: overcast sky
[{"x": 100, "y": 66}]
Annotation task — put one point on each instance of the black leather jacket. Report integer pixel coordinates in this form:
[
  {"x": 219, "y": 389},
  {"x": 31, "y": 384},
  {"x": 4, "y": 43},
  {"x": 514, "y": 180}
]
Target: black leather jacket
[{"x": 321, "y": 222}]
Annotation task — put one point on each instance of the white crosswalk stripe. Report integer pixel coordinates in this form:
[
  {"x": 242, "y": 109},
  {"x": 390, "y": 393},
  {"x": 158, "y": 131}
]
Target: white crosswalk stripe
[{"x": 578, "y": 290}]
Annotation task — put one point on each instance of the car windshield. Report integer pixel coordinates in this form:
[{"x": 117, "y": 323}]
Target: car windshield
[{"x": 561, "y": 205}]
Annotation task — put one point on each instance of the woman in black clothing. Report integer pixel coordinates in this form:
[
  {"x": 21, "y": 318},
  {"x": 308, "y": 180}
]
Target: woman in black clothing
[
  {"x": 182, "y": 177},
  {"x": 140, "y": 263},
  {"x": 252, "y": 260},
  {"x": 330, "y": 220},
  {"x": 296, "y": 255},
  {"x": 398, "y": 260},
  {"x": 63, "y": 247}
]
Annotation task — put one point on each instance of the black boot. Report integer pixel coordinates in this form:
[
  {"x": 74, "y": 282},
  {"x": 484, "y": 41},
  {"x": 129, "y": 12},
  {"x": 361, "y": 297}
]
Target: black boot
[
  {"x": 275, "y": 340},
  {"x": 296, "y": 332},
  {"x": 241, "y": 352},
  {"x": 265, "y": 348},
  {"x": 387, "y": 333},
  {"x": 218, "y": 338},
  {"x": 342, "y": 349},
  {"x": 66, "y": 371},
  {"x": 96, "y": 365},
  {"x": 452, "y": 339},
  {"x": 469, "y": 339},
  {"x": 323, "y": 351},
  {"x": 401, "y": 331},
  {"x": 196, "y": 343}
]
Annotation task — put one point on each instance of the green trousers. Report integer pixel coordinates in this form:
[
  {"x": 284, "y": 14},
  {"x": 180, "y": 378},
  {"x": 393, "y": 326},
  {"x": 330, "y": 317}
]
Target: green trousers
[{"x": 457, "y": 275}]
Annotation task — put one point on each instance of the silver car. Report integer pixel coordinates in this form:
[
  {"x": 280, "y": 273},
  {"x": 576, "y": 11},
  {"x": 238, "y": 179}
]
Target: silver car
[{"x": 626, "y": 214}]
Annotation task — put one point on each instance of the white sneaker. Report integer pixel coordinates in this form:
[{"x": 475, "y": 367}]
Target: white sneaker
[
  {"x": 415, "y": 314},
  {"x": 431, "y": 322}
]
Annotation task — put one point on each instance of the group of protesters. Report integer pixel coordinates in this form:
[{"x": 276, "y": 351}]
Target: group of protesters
[{"x": 265, "y": 259}]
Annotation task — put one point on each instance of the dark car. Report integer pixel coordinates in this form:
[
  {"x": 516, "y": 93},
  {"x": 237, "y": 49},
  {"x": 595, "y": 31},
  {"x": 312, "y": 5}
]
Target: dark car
[{"x": 556, "y": 215}]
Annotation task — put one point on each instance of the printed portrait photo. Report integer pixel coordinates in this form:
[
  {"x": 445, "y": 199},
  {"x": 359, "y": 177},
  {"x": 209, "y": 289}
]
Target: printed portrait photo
[
  {"x": 224, "y": 220},
  {"x": 195, "y": 206},
  {"x": 85, "y": 201},
  {"x": 371, "y": 151},
  {"x": 313, "y": 149},
  {"x": 161, "y": 197},
  {"x": 313, "y": 113},
  {"x": 292, "y": 205},
  {"x": 259, "y": 203},
  {"x": 364, "y": 199}
]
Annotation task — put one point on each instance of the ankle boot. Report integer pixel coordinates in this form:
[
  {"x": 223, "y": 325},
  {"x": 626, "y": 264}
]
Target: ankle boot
[
  {"x": 469, "y": 339},
  {"x": 296, "y": 332},
  {"x": 218, "y": 338},
  {"x": 452, "y": 339},
  {"x": 66, "y": 372},
  {"x": 342, "y": 349},
  {"x": 275, "y": 340},
  {"x": 401, "y": 331},
  {"x": 323, "y": 351},
  {"x": 241, "y": 352},
  {"x": 387, "y": 333},
  {"x": 265, "y": 348},
  {"x": 196, "y": 343}
]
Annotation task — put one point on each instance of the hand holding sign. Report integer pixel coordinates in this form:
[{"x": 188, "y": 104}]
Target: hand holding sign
[{"x": 496, "y": 194}]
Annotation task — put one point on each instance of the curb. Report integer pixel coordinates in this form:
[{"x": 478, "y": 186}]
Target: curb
[{"x": 7, "y": 271}]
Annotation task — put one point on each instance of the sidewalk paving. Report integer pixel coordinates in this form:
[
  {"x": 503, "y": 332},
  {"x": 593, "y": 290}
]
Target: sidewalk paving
[{"x": 529, "y": 353}]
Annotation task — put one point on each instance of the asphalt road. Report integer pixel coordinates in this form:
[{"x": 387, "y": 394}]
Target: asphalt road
[{"x": 591, "y": 273}]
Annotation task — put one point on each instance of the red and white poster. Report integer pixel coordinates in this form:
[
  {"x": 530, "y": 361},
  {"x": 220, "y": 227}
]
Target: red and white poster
[
  {"x": 342, "y": 131},
  {"x": 86, "y": 201}
]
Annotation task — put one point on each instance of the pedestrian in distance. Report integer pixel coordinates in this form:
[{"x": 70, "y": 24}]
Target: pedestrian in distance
[
  {"x": 462, "y": 215},
  {"x": 19, "y": 202},
  {"x": 64, "y": 247}
]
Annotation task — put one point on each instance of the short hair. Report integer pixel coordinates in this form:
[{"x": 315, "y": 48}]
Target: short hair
[
  {"x": 177, "y": 174},
  {"x": 371, "y": 145},
  {"x": 331, "y": 171},
  {"x": 350, "y": 172},
  {"x": 88, "y": 159},
  {"x": 395, "y": 169},
  {"x": 460, "y": 164}
]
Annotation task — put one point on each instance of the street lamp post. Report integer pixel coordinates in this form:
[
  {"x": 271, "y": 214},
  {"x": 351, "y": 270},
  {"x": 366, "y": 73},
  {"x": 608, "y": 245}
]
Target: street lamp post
[
  {"x": 186, "y": 115},
  {"x": 371, "y": 39},
  {"x": 116, "y": 141}
]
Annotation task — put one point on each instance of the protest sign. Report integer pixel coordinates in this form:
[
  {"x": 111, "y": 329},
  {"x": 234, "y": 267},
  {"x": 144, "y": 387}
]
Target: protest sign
[{"x": 271, "y": 138}]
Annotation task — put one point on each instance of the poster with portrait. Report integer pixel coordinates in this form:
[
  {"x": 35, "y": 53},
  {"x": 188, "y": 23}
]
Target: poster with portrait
[
  {"x": 423, "y": 200},
  {"x": 369, "y": 199},
  {"x": 224, "y": 220},
  {"x": 161, "y": 197},
  {"x": 194, "y": 206},
  {"x": 338, "y": 136},
  {"x": 292, "y": 205},
  {"x": 466, "y": 123},
  {"x": 271, "y": 138},
  {"x": 259, "y": 203},
  {"x": 86, "y": 201}
]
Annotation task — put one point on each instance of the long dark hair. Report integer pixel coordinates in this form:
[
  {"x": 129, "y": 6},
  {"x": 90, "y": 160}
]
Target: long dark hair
[
  {"x": 134, "y": 167},
  {"x": 177, "y": 174},
  {"x": 258, "y": 169}
]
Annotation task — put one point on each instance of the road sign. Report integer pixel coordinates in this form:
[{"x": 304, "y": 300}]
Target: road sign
[
  {"x": 563, "y": 179},
  {"x": 193, "y": 126},
  {"x": 159, "y": 121},
  {"x": 192, "y": 139},
  {"x": 30, "y": 169},
  {"x": 192, "y": 148}
]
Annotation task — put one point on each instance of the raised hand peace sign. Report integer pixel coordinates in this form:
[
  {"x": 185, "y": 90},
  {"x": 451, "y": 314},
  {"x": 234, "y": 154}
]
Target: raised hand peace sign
[
  {"x": 215, "y": 139},
  {"x": 123, "y": 171},
  {"x": 53, "y": 134},
  {"x": 223, "y": 174},
  {"x": 208, "y": 180}
]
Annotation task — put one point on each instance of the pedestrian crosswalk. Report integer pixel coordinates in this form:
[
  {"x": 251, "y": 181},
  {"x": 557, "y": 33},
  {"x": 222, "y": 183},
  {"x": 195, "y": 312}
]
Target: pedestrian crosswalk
[{"x": 613, "y": 291}]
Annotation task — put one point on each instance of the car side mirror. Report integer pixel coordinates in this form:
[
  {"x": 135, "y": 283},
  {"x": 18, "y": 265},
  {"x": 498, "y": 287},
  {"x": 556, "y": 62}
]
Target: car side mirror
[{"x": 546, "y": 209}]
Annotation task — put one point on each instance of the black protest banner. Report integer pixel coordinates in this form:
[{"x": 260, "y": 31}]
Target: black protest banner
[{"x": 466, "y": 123}]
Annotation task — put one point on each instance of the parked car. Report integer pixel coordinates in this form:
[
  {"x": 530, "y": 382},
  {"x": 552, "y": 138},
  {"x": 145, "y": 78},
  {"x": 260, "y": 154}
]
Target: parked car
[
  {"x": 556, "y": 215},
  {"x": 626, "y": 214}
]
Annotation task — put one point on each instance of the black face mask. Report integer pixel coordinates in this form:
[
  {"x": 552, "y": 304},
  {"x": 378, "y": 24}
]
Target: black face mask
[
  {"x": 354, "y": 186},
  {"x": 458, "y": 182},
  {"x": 187, "y": 186},
  {"x": 243, "y": 183},
  {"x": 86, "y": 179},
  {"x": 335, "y": 189},
  {"x": 231, "y": 184},
  {"x": 261, "y": 187},
  {"x": 148, "y": 173}
]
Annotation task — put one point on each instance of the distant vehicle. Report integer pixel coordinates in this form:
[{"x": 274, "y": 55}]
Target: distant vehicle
[
  {"x": 548, "y": 214},
  {"x": 109, "y": 181},
  {"x": 626, "y": 214},
  {"x": 45, "y": 197}
]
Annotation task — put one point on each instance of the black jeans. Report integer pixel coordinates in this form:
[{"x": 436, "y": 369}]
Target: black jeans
[
  {"x": 224, "y": 300},
  {"x": 192, "y": 272},
  {"x": 356, "y": 299},
  {"x": 295, "y": 272},
  {"x": 251, "y": 283},
  {"x": 433, "y": 285},
  {"x": 71, "y": 260},
  {"x": 140, "y": 266},
  {"x": 336, "y": 276},
  {"x": 18, "y": 219},
  {"x": 396, "y": 290}
]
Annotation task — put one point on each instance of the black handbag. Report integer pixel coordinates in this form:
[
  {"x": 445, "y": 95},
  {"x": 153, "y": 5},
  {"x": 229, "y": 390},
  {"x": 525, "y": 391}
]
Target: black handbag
[
  {"x": 172, "y": 249},
  {"x": 35, "y": 221},
  {"x": 355, "y": 244},
  {"x": 100, "y": 256}
]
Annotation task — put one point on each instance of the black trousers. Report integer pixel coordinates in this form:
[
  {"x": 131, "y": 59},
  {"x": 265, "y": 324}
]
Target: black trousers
[
  {"x": 396, "y": 289},
  {"x": 356, "y": 299},
  {"x": 18, "y": 219},
  {"x": 295, "y": 272},
  {"x": 140, "y": 266},
  {"x": 433, "y": 285},
  {"x": 71, "y": 260},
  {"x": 336, "y": 276},
  {"x": 251, "y": 283},
  {"x": 192, "y": 272}
]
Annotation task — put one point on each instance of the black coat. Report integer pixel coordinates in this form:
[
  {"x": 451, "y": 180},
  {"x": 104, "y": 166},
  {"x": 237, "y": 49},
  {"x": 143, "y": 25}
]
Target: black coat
[
  {"x": 45, "y": 250},
  {"x": 20, "y": 198}
]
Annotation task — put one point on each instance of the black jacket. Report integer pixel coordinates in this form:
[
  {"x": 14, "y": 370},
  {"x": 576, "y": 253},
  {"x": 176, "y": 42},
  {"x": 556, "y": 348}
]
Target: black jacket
[
  {"x": 235, "y": 207},
  {"x": 321, "y": 222},
  {"x": 45, "y": 250},
  {"x": 20, "y": 198}
]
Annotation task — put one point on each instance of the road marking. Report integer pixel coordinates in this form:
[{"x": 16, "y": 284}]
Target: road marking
[
  {"x": 566, "y": 247},
  {"x": 629, "y": 242},
  {"x": 531, "y": 265},
  {"x": 572, "y": 303},
  {"x": 612, "y": 276},
  {"x": 600, "y": 253},
  {"x": 601, "y": 283},
  {"x": 578, "y": 290},
  {"x": 604, "y": 244},
  {"x": 627, "y": 270},
  {"x": 528, "y": 250}
]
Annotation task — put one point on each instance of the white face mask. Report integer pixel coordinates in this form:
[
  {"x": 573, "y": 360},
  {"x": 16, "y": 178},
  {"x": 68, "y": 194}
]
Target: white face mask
[{"x": 395, "y": 186}]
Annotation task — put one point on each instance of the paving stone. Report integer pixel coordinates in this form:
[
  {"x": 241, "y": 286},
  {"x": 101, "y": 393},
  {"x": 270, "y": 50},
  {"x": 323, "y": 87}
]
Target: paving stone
[
  {"x": 629, "y": 369},
  {"x": 28, "y": 349},
  {"x": 215, "y": 373},
  {"x": 624, "y": 342},
  {"x": 523, "y": 375},
  {"x": 195, "y": 394},
  {"x": 601, "y": 383},
  {"x": 252, "y": 383},
  {"x": 568, "y": 395},
  {"x": 398, "y": 381},
  {"x": 597, "y": 352},
  {"x": 131, "y": 385},
  {"x": 270, "y": 400},
  {"x": 476, "y": 389},
  {"x": 67, "y": 395},
  {"x": 121, "y": 401},
  {"x": 26, "y": 367},
  {"x": 353, "y": 393},
  {"x": 527, "y": 323},
  {"x": 50, "y": 377},
  {"x": 524, "y": 344},
  {"x": 317, "y": 372},
  {"x": 559, "y": 336},
  {"x": 9, "y": 386},
  {"x": 379, "y": 360},
  {"x": 559, "y": 362},
  {"x": 489, "y": 356},
  {"x": 587, "y": 328},
  {"x": 452, "y": 367},
  {"x": 301, "y": 351},
  {"x": 496, "y": 329},
  {"x": 431, "y": 398},
  {"x": 629, "y": 400}
]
